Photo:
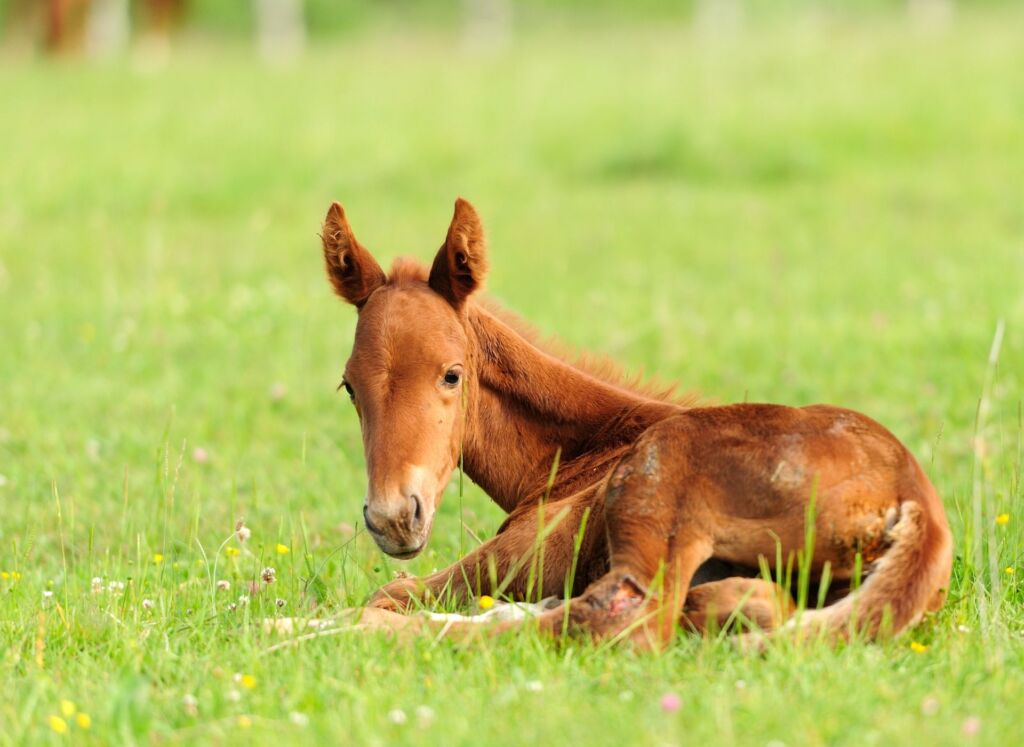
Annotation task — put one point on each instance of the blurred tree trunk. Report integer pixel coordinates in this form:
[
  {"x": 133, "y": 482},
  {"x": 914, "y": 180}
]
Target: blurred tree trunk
[
  {"x": 108, "y": 28},
  {"x": 281, "y": 28},
  {"x": 487, "y": 23}
]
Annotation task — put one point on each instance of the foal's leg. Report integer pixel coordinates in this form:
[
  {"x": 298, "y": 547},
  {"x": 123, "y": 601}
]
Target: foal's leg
[
  {"x": 657, "y": 539},
  {"x": 506, "y": 562},
  {"x": 714, "y": 605}
]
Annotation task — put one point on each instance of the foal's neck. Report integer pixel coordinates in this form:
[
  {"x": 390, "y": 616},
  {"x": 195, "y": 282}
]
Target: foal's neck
[{"x": 529, "y": 404}]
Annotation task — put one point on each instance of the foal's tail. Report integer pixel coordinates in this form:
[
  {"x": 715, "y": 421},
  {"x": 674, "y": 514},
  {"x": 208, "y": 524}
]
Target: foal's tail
[{"x": 912, "y": 577}]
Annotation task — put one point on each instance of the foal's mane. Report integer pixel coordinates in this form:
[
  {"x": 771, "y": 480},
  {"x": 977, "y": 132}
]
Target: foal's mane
[{"x": 407, "y": 272}]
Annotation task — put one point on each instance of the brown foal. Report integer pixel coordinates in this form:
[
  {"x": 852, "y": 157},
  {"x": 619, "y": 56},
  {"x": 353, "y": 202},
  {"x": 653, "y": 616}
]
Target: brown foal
[{"x": 674, "y": 508}]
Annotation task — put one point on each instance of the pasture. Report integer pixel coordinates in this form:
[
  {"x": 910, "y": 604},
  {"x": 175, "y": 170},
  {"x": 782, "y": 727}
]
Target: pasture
[{"x": 814, "y": 209}]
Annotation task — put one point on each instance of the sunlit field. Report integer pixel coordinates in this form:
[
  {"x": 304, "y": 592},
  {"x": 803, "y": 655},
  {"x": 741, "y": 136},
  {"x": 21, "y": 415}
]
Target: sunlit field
[{"x": 810, "y": 209}]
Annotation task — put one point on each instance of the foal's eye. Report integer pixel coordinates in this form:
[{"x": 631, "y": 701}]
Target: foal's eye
[
  {"x": 348, "y": 388},
  {"x": 452, "y": 378}
]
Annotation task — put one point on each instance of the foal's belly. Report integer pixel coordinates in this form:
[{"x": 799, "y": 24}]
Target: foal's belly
[{"x": 759, "y": 471}]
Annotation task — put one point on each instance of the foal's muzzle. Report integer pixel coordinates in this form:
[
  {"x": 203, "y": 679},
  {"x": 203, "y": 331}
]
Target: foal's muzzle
[{"x": 399, "y": 524}]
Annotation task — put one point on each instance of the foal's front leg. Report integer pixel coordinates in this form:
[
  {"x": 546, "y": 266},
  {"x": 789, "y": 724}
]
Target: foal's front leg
[{"x": 506, "y": 563}]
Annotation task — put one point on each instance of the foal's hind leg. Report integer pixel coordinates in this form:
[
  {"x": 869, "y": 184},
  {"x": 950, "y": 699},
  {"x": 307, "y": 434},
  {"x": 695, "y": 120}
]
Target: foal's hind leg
[
  {"x": 736, "y": 601},
  {"x": 657, "y": 540}
]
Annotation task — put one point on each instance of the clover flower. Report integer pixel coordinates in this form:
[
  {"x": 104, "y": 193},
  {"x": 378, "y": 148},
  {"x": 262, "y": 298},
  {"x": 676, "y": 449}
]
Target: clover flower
[
  {"x": 190, "y": 704},
  {"x": 147, "y": 604},
  {"x": 397, "y": 716},
  {"x": 269, "y": 575},
  {"x": 97, "y": 585},
  {"x": 242, "y": 532},
  {"x": 280, "y": 603},
  {"x": 670, "y": 702},
  {"x": 223, "y": 585}
]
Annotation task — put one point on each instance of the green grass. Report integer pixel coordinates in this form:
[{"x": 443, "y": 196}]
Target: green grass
[{"x": 815, "y": 210}]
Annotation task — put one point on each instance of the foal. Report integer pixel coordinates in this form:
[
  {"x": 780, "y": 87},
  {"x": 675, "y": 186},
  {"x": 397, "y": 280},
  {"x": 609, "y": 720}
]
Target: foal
[{"x": 674, "y": 508}]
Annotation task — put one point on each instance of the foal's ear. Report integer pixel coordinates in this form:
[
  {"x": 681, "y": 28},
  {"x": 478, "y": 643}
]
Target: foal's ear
[
  {"x": 461, "y": 264},
  {"x": 350, "y": 268}
]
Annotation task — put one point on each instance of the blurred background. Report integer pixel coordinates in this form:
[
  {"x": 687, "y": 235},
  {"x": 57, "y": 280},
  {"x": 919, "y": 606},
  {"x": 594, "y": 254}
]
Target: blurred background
[
  {"x": 281, "y": 28},
  {"x": 785, "y": 201}
]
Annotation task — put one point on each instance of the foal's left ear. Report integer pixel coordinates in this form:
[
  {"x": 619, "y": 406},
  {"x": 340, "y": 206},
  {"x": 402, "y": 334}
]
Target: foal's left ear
[{"x": 461, "y": 264}]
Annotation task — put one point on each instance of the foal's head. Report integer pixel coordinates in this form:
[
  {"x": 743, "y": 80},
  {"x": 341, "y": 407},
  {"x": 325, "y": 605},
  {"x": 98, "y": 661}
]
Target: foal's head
[{"x": 408, "y": 372}]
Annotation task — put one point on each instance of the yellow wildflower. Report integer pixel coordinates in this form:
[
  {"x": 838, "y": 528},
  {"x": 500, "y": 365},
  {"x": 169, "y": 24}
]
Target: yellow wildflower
[
  {"x": 232, "y": 552},
  {"x": 59, "y": 725},
  {"x": 83, "y": 720},
  {"x": 918, "y": 648},
  {"x": 1011, "y": 570},
  {"x": 485, "y": 602},
  {"x": 5, "y": 575},
  {"x": 158, "y": 558},
  {"x": 15, "y": 575},
  {"x": 1003, "y": 519},
  {"x": 67, "y": 708},
  {"x": 248, "y": 681},
  {"x": 244, "y": 722},
  {"x": 282, "y": 549}
]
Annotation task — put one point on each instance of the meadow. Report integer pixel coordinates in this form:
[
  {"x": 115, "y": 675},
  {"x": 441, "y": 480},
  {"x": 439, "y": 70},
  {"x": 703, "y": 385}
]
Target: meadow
[{"x": 816, "y": 208}]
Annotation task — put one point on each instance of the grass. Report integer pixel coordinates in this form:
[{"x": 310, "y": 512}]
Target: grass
[{"x": 810, "y": 210}]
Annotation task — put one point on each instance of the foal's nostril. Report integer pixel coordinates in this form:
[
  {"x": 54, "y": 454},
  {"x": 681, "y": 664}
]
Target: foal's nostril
[
  {"x": 366, "y": 520},
  {"x": 417, "y": 510}
]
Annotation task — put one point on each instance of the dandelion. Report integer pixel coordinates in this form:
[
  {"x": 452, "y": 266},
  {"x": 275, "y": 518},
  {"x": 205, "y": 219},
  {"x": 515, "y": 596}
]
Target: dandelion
[
  {"x": 280, "y": 603},
  {"x": 299, "y": 719},
  {"x": 242, "y": 532},
  {"x": 269, "y": 575},
  {"x": 1003, "y": 519},
  {"x": 223, "y": 585},
  {"x": 930, "y": 706},
  {"x": 191, "y": 704},
  {"x": 83, "y": 720},
  {"x": 67, "y": 708},
  {"x": 485, "y": 602},
  {"x": 670, "y": 702},
  {"x": 244, "y": 722},
  {"x": 57, "y": 724},
  {"x": 200, "y": 455},
  {"x": 97, "y": 585},
  {"x": 282, "y": 549},
  {"x": 232, "y": 552},
  {"x": 971, "y": 726},
  {"x": 918, "y": 648},
  {"x": 158, "y": 558},
  {"x": 247, "y": 681},
  {"x": 397, "y": 716},
  {"x": 1010, "y": 570},
  {"x": 147, "y": 604}
]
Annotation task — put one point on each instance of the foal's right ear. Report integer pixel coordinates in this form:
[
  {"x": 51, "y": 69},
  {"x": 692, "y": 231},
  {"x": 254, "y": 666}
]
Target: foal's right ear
[{"x": 350, "y": 268}]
